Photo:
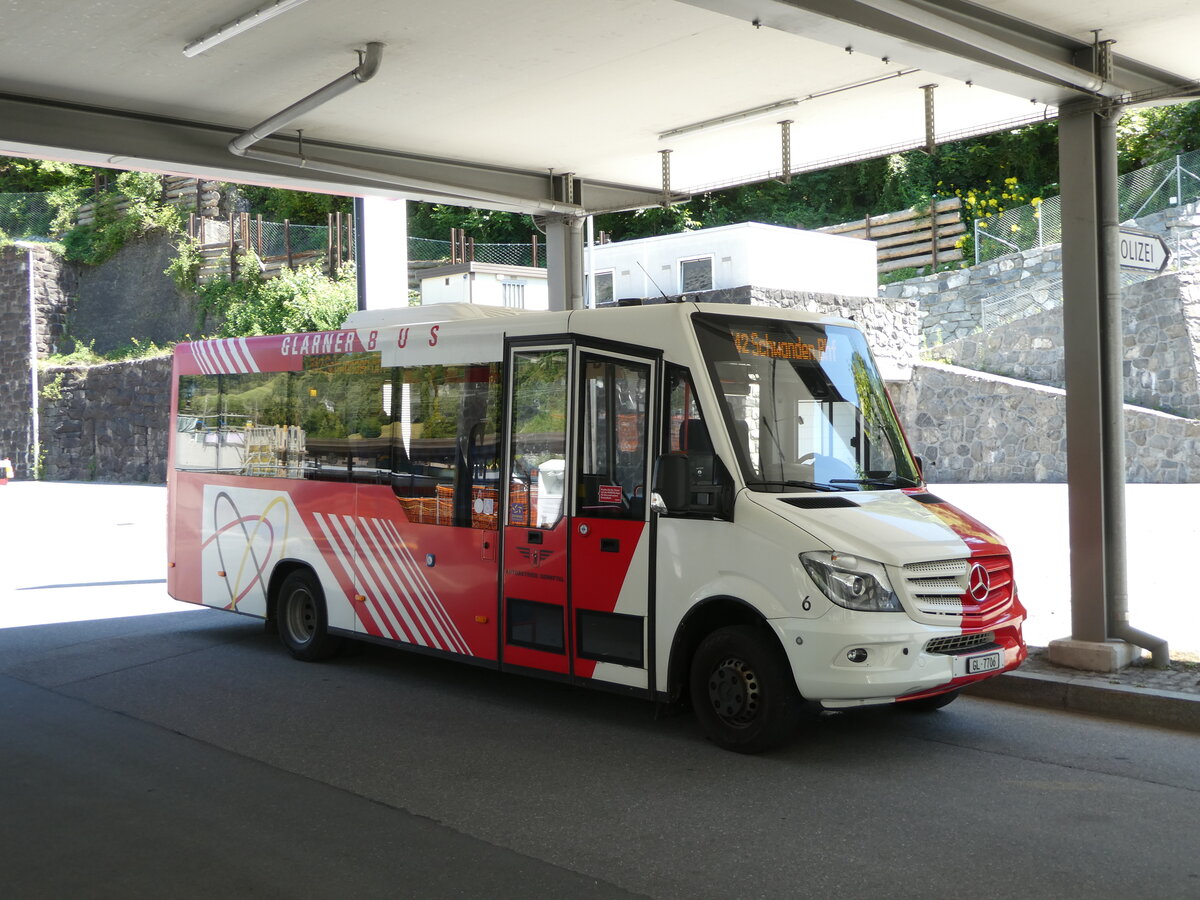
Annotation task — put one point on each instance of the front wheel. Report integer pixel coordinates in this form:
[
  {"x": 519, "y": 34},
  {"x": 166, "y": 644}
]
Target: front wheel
[
  {"x": 742, "y": 690},
  {"x": 302, "y": 622}
]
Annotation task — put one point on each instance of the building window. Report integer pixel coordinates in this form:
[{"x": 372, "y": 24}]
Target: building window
[
  {"x": 695, "y": 275},
  {"x": 603, "y": 289},
  {"x": 514, "y": 294}
]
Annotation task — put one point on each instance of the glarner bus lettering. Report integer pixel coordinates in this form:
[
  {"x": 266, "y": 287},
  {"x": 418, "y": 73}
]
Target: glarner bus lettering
[{"x": 540, "y": 495}]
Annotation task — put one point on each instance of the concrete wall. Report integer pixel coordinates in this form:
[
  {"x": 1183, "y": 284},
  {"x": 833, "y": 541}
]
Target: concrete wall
[
  {"x": 973, "y": 427},
  {"x": 33, "y": 279},
  {"x": 1162, "y": 346},
  {"x": 108, "y": 422}
]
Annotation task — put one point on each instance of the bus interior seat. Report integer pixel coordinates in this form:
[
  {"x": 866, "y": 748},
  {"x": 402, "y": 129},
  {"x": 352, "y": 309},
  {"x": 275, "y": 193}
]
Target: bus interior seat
[{"x": 695, "y": 441}]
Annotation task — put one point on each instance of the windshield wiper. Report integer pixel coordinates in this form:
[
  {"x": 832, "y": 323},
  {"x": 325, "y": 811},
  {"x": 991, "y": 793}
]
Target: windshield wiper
[
  {"x": 893, "y": 482},
  {"x": 814, "y": 485}
]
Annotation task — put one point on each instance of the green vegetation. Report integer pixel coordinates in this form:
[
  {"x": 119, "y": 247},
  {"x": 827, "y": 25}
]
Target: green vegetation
[
  {"x": 303, "y": 299},
  {"x": 93, "y": 244},
  {"x": 80, "y": 353},
  {"x": 299, "y": 208},
  {"x": 52, "y": 390}
]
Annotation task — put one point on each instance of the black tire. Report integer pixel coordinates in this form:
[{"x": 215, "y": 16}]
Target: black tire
[
  {"x": 301, "y": 619},
  {"x": 930, "y": 704},
  {"x": 742, "y": 690}
]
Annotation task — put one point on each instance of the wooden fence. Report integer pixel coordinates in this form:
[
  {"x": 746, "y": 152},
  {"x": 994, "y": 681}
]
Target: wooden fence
[
  {"x": 222, "y": 241},
  {"x": 911, "y": 238},
  {"x": 203, "y": 197}
]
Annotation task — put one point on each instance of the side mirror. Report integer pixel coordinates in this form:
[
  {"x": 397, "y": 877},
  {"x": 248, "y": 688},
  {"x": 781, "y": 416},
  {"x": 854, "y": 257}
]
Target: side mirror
[{"x": 671, "y": 481}]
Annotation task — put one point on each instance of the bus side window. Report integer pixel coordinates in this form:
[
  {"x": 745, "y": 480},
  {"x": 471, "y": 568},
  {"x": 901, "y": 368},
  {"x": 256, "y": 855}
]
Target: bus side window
[
  {"x": 445, "y": 444},
  {"x": 340, "y": 408},
  {"x": 612, "y": 449},
  {"x": 539, "y": 438}
]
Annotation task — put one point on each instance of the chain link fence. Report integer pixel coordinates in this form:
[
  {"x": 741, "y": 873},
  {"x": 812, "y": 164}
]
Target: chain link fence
[
  {"x": 301, "y": 238},
  {"x": 498, "y": 254},
  {"x": 1144, "y": 192},
  {"x": 26, "y": 216},
  {"x": 1154, "y": 192}
]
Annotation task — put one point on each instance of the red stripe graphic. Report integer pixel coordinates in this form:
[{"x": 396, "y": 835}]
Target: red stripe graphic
[
  {"x": 365, "y": 613},
  {"x": 400, "y": 598}
]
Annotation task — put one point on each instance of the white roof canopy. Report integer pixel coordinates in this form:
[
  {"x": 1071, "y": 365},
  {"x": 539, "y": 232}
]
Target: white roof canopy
[{"x": 478, "y": 103}]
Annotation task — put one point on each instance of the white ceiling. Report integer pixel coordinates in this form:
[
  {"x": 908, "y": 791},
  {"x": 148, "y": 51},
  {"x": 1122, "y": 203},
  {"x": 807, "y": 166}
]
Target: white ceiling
[{"x": 519, "y": 88}]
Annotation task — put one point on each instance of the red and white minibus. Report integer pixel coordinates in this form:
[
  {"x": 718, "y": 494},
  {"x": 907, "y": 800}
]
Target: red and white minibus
[{"x": 683, "y": 501}]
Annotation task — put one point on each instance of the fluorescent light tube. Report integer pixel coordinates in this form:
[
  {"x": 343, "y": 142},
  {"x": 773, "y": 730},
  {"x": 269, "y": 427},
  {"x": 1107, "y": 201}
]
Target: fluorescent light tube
[
  {"x": 732, "y": 119},
  {"x": 240, "y": 24}
]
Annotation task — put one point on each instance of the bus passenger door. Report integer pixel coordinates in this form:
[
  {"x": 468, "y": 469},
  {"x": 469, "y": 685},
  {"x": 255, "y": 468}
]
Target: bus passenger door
[
  {"x": 534, "y": 588},
  {"x": 610, "y": 536}
]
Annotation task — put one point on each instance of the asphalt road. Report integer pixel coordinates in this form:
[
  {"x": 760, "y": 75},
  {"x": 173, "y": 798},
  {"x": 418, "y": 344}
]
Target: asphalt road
[{"x": 187, "y": 755}]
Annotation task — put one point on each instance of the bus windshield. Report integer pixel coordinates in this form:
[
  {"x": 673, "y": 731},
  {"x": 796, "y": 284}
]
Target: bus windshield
[{"x": 804, "y": 405}]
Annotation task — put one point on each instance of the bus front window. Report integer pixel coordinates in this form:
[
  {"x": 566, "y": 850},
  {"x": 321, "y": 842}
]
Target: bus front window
[{"x": 805, "y": 406}]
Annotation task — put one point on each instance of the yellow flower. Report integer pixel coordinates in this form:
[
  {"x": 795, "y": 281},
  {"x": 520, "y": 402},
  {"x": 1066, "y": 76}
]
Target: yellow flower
[
  {"x": 1036, "y": 201},
  {"x": 992, "y": 202},
  {"x": 983, "y": 224},
  {"x": 1014, "y": 228}
]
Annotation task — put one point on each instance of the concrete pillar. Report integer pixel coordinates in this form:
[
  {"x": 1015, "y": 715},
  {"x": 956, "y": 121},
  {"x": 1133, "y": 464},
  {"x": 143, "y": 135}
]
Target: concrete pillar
[
  {"x": 383, "y": 252},
  {"x": 1077, "y": 162},
  {"x": 564, "y": 261},
  {"x": 1095, "y": 395}
]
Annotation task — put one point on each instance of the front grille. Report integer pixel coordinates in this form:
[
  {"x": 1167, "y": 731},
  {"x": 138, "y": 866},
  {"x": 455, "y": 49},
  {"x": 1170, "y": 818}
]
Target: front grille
[
  {"x": 960, "y": 643},
  {"x": 941, "y": 588}
]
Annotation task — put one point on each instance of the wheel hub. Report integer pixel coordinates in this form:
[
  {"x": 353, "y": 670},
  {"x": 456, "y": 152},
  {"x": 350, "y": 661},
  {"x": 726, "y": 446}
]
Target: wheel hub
[
  {"x": 734, "y": 692},
  {"x": 301, "y": 617}
]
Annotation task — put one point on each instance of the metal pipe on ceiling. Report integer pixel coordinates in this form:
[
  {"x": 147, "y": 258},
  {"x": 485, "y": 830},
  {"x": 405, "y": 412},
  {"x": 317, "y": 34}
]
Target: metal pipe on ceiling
[
  {"x": 368, "y": 65},
  {"x": 243, "y": 146}
]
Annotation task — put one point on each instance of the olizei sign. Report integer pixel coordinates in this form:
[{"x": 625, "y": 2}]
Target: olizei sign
[{"x": 1143, "y": 251}]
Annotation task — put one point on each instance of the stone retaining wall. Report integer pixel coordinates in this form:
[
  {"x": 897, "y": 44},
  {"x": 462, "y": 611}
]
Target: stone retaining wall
[
  {"x": 25, "y": 270},
  {"x": 1161, "y": 323},
  {"x": 951, "y": 302},
  {"x": 107, "y": 422},
  {"x": 973, "y": 427}
]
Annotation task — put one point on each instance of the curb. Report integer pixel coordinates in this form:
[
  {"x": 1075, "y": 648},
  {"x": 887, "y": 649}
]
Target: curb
[{"x": 1145, "y": 706}]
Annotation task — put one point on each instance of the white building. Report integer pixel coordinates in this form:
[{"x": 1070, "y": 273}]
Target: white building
[
  {"x": 766, "y": 256},
  {"x": 486, "y": 284}
]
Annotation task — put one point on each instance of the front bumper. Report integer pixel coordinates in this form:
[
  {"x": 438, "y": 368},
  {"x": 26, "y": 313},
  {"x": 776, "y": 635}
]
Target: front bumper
[{"x": 897, "y": 665}]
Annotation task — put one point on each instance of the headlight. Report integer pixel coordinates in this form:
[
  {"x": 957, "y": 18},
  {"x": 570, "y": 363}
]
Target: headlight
[{"x": 851, "y": 581}]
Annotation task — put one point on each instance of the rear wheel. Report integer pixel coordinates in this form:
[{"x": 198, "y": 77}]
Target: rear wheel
[
  {"x": 301, "y": 618},
  {"x": 742, "y": 690}
]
